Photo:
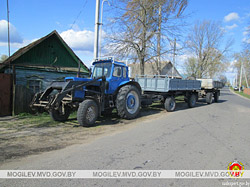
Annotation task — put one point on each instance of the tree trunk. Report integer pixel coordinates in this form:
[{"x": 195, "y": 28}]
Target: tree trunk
[
  {"x": 158, "y": 61},
  {"x": 142, "y": 64},
  {"x": 143, "y": 49}
]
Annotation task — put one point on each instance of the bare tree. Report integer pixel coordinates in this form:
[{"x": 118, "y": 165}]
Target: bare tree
[
  {"x": 246, "y": 41},
  {"x": 3, "y": 58},
  {"x": 205, "y": 44},
  {"x": 137, "y": 32},
  {"x": 242, "y": 59},
  {"x": 223, "y": 79}
]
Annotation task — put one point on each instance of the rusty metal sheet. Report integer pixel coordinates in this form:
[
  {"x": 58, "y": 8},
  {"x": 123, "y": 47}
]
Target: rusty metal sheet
[{"x": 5, "y": 94}]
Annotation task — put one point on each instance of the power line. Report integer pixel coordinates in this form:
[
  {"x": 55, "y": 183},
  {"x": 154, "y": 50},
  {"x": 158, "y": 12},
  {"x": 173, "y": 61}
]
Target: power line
[{"x": 78, "y": 14}]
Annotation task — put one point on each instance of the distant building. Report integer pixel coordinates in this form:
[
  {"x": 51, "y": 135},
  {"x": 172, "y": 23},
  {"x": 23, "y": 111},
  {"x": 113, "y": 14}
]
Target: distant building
[
  {"x": 32, "y": 68},
  {"x": 150, "y": 69}
]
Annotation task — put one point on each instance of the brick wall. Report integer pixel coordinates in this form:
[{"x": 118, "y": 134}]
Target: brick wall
[{"x": 247, "y": 91}]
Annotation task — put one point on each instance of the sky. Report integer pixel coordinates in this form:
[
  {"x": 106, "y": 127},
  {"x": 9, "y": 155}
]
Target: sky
[{"x": 75, "y": 21}]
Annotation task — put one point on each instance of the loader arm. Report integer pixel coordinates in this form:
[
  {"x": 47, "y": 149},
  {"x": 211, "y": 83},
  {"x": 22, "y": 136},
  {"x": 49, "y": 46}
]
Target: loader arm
[{"x": 43, "y": 100}]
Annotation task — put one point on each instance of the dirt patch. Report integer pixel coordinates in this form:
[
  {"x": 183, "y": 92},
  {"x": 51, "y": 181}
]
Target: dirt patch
[{"x": 32, "y": 134}]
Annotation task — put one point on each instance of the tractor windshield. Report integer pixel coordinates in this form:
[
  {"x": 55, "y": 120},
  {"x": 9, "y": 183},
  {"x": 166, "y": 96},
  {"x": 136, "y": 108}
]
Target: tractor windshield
[{"x": 102, "y": 69}]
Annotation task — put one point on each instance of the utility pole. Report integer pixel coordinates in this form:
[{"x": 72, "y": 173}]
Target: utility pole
[
  {"x": 245, "y": 76},
  {"x": 8, "y": 20},
  {"x": 174, "y": 58},
  {"x": 97, "y": 24},
  {"x": 236, "y": 79},
  {"x": 101, "y": 23},
  {"x": 240, "y": 75}
]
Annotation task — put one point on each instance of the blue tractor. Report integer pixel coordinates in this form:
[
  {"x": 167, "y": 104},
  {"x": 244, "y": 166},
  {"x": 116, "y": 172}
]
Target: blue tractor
[{"x": 108, "y": 87}]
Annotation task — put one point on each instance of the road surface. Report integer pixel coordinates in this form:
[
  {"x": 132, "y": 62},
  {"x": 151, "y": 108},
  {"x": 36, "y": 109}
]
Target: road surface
[{"x": 207, "y": 137}]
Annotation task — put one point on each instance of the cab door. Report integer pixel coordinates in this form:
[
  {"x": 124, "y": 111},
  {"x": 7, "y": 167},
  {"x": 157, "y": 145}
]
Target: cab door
[{"x": 116, "y": 78}]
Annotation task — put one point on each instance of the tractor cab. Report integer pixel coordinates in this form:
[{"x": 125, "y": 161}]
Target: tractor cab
[{"x": 116, "y": 73}]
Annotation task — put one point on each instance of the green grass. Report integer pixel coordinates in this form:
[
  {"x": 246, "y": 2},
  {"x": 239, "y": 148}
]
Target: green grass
[
  {"x": 241, "y": 93},
  {"x": 37, "y": 120},
  {"x": 40, "y": 120}
]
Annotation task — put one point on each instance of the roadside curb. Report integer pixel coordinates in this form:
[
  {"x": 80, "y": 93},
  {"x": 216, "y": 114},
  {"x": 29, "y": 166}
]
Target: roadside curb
[{"x": 239, "y": 95}]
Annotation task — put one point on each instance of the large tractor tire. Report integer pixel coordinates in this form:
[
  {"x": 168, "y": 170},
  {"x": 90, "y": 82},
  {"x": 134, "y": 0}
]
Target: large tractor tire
[
  {"x": 170, "y": 104},
  {"x": 128, "y": 102},
  {"x": 192, "y": 100},
  {"x": 58, "y": 115},
  {"x": 87, "y": 113},
  {"x": 209, "y": 98}
]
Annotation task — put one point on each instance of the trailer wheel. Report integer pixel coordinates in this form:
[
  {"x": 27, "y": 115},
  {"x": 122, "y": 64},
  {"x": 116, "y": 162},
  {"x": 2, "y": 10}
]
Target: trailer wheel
[
  {"x": 128, "y": 102},
  {"x": 58, "y": 115},
  {"x": 170, "y": 104},
  {"x": 192, "y": 100},
  {"x": 87, "y": 113},
  {"x": 209, "y": 98},
  {"x": 216, "y": 97}
]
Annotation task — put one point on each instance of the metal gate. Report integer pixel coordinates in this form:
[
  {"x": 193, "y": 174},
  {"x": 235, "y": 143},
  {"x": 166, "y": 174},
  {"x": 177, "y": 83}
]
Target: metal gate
[{"x": 5, "y": 94}]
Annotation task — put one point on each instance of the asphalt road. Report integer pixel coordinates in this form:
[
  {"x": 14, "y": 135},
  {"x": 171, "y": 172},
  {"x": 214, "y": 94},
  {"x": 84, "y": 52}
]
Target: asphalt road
[{"x": 207, "y": 137}]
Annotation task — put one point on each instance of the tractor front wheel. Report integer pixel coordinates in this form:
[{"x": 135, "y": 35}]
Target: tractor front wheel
[
  {"x": 87, "y": 113},
  {"x": 128, "y": 102},
  {"x": 59, "y": 115}
]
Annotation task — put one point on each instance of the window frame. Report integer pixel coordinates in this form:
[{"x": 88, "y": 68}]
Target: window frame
[
  {"x": 124, "y": 72},
  {"x": 33, "y": 87},
  {"x": 116, "y": 67}
]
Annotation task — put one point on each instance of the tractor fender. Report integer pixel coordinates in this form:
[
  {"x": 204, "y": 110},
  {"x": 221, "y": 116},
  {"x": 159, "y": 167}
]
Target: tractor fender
[{"x": 136, "y": 84}]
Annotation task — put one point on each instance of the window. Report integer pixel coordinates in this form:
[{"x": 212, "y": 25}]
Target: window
[
  {"x": 35, "y": 85},
  {"x": 117, "y": 71},
  {"x": 98, "y": 72},
  {"x": 124, "y": 72},
  {"x": 102, "y": 69}
]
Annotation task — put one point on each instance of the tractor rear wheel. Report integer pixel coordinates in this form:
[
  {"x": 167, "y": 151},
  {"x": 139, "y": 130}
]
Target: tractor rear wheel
[
  {"x": 87, "y": 113},
  {"x": 58, "y": 115},
  {"x": 128, "y": 102}
]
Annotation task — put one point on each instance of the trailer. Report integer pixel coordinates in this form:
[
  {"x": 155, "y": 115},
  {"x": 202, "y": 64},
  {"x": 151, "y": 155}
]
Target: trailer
[
  {"x": 165, "y": 89},
  {"x": 210, "y": 88}
]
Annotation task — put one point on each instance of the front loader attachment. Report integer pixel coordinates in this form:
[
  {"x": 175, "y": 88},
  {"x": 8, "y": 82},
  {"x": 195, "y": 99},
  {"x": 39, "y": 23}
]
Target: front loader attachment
[{"x": 62, "y": 93}]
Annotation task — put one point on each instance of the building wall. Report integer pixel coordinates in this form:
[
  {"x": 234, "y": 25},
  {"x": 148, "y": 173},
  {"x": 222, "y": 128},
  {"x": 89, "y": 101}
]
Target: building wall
[
  {"x": 150, "y": 69},
  {"x": 46, "y": 76},
  {"x": 30, "y": 81}
]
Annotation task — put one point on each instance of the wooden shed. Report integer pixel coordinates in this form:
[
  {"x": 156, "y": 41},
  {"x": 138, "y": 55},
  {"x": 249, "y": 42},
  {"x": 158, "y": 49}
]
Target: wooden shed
[{"x": 32, "y": 68}]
